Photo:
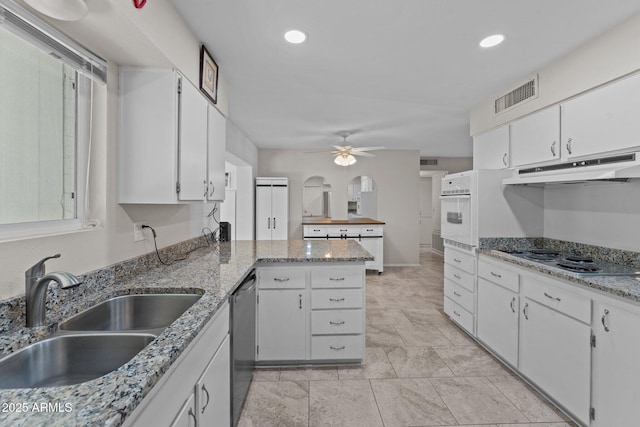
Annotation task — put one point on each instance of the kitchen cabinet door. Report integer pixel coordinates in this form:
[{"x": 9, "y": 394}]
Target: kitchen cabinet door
[
  {"x": 187, "y": 416},
  {"x": 536, "y": 138},
  {"x": 282, "y": 324},
  {"x": 213, "y": 389},
  {"x": 216, "y": 147},
  {"x": 603, "y": 120},
  {"x": 491, "y": 149},
  {"x": 616, "y": 368},
  {"x": 192, "y": 143},
  {"x": 497, "y": 320},
  {"x": 555, "y": 354},
  {"x": 280, "y": 212}
]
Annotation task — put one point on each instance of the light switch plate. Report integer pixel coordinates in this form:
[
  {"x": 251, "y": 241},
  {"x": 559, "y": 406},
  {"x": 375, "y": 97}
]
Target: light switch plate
[{"x": 138, "y": 233}]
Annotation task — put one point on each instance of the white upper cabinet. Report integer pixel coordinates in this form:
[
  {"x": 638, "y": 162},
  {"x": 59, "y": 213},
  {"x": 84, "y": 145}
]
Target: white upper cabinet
[
  {"x": 171, "y": 144},
  {"x": 603, "y": 120},
  {"x": 491, "y": 149},
  {"x": 535, "y": 139}
]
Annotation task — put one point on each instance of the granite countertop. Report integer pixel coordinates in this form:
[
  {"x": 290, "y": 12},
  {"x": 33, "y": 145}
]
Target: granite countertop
[
  {"x": 627, "y": 287},
  {"x": 350, "y": 221},
  {"x": 213, "y": 271}
]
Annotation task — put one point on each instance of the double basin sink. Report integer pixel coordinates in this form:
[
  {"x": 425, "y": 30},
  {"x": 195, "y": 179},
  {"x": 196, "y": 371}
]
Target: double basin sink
[{"x": 94, "y": 342}]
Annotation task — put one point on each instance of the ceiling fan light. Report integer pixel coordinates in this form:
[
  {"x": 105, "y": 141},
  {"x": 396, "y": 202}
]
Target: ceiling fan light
[
  {"x": 63, "y": 10},
  {"x": 344, "y": 160}
]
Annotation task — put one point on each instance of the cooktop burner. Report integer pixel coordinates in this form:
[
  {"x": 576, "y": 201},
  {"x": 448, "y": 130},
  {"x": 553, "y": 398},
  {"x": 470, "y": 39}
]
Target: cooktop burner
[{"x": 573, "y": 263}]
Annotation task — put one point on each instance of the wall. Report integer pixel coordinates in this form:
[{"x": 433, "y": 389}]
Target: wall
[
  {"x": 396, "y": 174},
  {"x": 451, "y": 164},
  {"x": 123, "y": 35},
  {"x": 611, "y": 55}
]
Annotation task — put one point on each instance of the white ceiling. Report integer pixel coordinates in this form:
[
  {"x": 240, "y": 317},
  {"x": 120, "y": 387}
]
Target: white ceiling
[{"x": 399, "y": 73}]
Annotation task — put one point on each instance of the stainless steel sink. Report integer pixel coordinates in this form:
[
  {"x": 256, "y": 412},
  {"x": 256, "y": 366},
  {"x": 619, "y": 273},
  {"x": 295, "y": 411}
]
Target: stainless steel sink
[
  {"x": 69, "y": 359},
  {"x": 132, "y": 313}
]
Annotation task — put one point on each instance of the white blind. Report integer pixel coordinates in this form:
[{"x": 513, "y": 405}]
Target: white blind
[{"x": 23, "y": 23}]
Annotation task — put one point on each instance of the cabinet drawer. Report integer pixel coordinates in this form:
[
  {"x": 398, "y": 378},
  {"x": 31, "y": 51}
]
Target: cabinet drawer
[
  {"x": 553, "y": 296},
  {"x": 459, "y": 294},
  {"x": 499, "y": 275},
  {"x": 281, "y": 278},
  {"x": 315, "y": 231},
  {"x": 341, "y": 230},
  {"x": 338, "y": 277},
  {"x": 336, "y": 322},
  {"x": 459, "y": 314},
  {"x": 331, "y": 347},
  {"x": 460, "y": 260},
  {"x": 371, "y": 230},
  {"x": 336, "y": 298},
  {"x": 460, "y": 277}
]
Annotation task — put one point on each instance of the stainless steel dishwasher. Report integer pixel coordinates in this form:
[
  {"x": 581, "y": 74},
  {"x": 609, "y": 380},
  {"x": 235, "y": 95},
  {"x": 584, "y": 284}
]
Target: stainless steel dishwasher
[{"x": 243, "y": 342}]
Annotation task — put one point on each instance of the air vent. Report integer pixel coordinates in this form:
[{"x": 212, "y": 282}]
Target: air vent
[
  {"x": 526, "y": 91},
  {"x": 428, "y": 162}
]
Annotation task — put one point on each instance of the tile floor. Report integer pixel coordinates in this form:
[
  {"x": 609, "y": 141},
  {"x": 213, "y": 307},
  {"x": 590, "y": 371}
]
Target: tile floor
[{"x": 420, "y": 370}]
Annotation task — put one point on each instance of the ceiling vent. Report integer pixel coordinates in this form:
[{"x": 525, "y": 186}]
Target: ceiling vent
[
  {"x": 524, "y": 92},
  {"x": 428, "y": 162}
]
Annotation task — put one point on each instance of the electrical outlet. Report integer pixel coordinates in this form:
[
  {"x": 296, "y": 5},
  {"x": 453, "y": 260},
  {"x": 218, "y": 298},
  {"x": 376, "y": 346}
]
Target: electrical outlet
[{"x": 138, "y": 232}]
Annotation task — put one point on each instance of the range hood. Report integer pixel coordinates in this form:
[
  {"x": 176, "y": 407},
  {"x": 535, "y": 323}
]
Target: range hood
[{"x": 618, "y": 168}]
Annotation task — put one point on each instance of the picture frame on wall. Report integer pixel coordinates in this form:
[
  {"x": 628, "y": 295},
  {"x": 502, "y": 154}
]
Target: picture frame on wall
[{"x": 208, "y": 75}]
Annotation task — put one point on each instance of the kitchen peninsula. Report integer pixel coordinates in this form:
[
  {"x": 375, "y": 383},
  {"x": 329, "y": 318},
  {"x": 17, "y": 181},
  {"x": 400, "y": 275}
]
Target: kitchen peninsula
[
  {"x": 366, "y": 231},
  {"x": 118, "y": 397}
]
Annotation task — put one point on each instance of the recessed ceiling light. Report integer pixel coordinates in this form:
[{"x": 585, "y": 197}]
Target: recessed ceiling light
[
  {"x": 295, "y": 36},
  {"x": 491, "y": 41}
]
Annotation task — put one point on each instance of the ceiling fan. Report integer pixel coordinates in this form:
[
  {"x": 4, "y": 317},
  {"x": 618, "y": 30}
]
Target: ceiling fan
[{"x": 344, "y": 154}]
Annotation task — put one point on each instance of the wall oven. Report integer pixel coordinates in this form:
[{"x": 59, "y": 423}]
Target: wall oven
[{"x": 457, "y": 203}]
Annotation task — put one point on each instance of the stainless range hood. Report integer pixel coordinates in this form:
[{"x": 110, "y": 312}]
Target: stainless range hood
[{"x": 617, "y": 168}]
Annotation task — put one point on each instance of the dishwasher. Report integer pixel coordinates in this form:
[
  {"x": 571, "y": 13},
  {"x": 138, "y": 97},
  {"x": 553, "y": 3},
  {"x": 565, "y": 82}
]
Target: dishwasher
[{"x": 243, "y": 342}]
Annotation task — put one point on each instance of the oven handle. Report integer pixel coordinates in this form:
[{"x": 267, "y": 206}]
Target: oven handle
[{"x": 456, "y": 196}]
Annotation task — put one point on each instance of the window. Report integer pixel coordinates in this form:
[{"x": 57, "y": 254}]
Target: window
[{"x": 45, "y": 113}]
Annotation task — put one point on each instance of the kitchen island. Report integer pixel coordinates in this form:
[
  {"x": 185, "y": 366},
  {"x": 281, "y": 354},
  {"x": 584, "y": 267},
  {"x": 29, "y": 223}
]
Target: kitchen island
[{"x": 213, "y": 271}]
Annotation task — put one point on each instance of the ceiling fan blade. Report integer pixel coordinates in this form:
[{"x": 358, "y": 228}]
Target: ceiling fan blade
[
  {"x": 363, "y": 154},
  {"x": 340, "y": 147},
  {"x": 319, "y": 151},
  {"x": 378, "y": 147}
]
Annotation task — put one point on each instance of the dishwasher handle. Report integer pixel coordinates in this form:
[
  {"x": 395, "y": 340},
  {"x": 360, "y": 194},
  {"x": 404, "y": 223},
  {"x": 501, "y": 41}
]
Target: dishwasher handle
[{"x": 243, "y": 288}]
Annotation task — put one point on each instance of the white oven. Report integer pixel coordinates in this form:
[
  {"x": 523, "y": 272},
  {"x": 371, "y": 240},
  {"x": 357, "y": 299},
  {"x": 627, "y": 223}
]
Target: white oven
[{"x": 458, "y": 222}]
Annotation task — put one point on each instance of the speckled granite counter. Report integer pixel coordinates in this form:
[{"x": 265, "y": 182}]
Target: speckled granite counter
[
  {"x": 213, "y": 271},
  {"x": 621, "y": 286}
]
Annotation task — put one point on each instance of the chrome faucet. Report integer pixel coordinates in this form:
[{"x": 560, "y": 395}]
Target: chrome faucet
[{"x": 36, "y": 284}]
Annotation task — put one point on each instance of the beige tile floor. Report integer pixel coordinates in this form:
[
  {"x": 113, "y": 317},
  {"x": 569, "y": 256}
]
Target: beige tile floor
[{"x": 421, "y": 370}]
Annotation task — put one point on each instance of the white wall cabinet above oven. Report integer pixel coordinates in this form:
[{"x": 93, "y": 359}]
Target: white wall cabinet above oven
[
  {"x": 535, "y": 138},
  {"x": 491, "y": 149},
  {"x": 603, "y": 120}
]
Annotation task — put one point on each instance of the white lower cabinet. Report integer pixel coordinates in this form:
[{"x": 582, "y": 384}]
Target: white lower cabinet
[
  {"x": 460, "y": 287},
  {"x": 555, "y": 354},
  {"x": 196, "y": 390},
  {"x": 308, "y": 314},
  {"x": 616, "y": 368},
  {"x": 498, "y": 314}
]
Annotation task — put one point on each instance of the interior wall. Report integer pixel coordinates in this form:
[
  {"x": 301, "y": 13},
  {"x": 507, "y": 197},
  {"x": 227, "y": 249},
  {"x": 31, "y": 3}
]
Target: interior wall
[
  {"x": 122, "y": 35},
  {"x": 451, "y": 164},
  {"x": 597, "y": 214},
  {"x": 609, "y": 56},
  {"x": 396, "y": 174}
]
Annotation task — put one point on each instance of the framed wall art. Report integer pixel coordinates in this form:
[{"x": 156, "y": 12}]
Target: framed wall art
[{"x": 208, "y": 75}]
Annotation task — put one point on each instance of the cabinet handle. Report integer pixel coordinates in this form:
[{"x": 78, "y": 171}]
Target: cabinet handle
[
  {"x": 269, "y": 223},
  {"x": 569, "y": 145},
  {"x": 337, "y": 348},
  {"x": 212, "y": 189},
  {"x": 457, "y": 260},
  {"x": 338, "y": 323},
  {"x": 336, "y": 279},
  {"x": 300, "y": 301},
  {"x": 195, "y": 420},
  {"x": 274, "y": 223},
  {"x": 456, "y": 276},
  {"x": 206, "y": 188},
  {"x": 316, "y": 229},
  {"x": 504, "y": 159},
  {"x": 456, "y": 313},
  {"x": 456, "y": 294},
  {"x": 499, "y": 276},
  {"x": 369, "y": 229},
  {"x": 511, "y": 304},
  {"x": 525, "y": 311},
  {"x": 281, "y": 279},
  {"x": 343, "y": 230},
  {"x": 553, "y": 148},
  {"x": 552, "y": 297},
  {"x": 206, "y": 404},
  {"x": 336, "y": 299},
  {"x": 605, "y": 318}
]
